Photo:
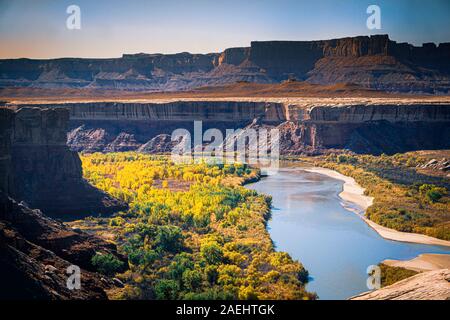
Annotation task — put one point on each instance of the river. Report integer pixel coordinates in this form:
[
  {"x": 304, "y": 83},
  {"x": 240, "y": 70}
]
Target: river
[{"x": 311, "y": 223}]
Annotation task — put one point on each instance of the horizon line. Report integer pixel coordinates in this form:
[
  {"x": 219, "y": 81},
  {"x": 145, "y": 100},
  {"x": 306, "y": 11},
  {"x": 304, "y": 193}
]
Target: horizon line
[{"x": 220, "y": 52}]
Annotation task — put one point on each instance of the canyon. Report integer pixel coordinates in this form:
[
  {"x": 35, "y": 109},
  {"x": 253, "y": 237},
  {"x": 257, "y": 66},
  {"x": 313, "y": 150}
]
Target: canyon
[
  {"x": 307, "y": 125},
  {"x": 40, "y": 176},
  {"x": 336, "y": 105},
  {"x": 372, "y": 62}
]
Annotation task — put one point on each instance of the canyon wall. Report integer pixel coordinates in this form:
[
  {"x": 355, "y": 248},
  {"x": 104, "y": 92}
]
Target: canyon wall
[
  {"x": 373, "y": 62},
  {"x": 223, "y": 111},
  {"x": 386, "y": 112},
  {"x": 305, "y": 127},
  {"x": 375, "y": 128},
  {"x": 38, "y": 168}
]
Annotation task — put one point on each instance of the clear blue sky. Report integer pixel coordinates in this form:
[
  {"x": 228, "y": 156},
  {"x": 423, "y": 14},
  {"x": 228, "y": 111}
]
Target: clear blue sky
[{"x": 37, "y": 28}]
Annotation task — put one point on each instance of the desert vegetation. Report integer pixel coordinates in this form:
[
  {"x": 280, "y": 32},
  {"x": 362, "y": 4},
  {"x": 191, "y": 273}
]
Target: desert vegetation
[
  {"x": 391, "y": 275},
  {"x": 192, "y": 231},
  {"x": 407, "y": 198}
]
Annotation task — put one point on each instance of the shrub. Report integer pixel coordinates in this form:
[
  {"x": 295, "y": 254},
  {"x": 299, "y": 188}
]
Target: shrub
[
  {"x": 166, "y": 289},
  {"x": 210, "y": 294},
  {"x": 248, "y": 293},
  {"x": 141, "y": 257},
  {"x": 229, "y": 274},
  {"x": 342, "y": 158},
  {"x": 117, "y": 222},
  {"x": 180, "y": 264},
  {"x": 107, "y": 263},
  {"x": 192, "y": 279},
  {"x": 212, "y": 253},
  {"x": 169, "y": 238},
  {"x": 391, "y": 275},
  {"x": 432, "y": 193},
  {"x": 211, "y": 274}
]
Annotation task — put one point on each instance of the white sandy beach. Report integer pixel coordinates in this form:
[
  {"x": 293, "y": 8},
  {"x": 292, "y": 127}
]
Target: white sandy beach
[{"x": 354, "y": 193}]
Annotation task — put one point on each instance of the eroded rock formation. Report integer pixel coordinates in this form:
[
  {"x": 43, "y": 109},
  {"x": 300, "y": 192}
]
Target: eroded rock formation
[
  {"x": 41, "y": 170},
  {"x": 35, "y": 252},
  {"x": 432, "y": 285},
  {"x": 305, "y": 127},
  {"x": 37, "y": 167},
  {"x": 373, "y": 62}
]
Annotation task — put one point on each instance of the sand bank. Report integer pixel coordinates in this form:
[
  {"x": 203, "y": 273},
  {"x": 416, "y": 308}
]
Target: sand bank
[
  {"x": 424, "y": 262},
  {"x": 352, "y": 192}
]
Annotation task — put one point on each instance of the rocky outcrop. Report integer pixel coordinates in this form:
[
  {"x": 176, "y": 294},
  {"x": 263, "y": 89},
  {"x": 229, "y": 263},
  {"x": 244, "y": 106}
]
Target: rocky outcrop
[
  {"x": 37, "y": 166},
  {"x": 436, "y": 165},
  {"x": 123, "y": 142},
  {"x": 233, "y": 56},
  {"x": 35, "y": 252},
  {"x": 379, "y": 129},
  {"x": 160, "y": 144},
  {"x": 432, "y": 285},
  {"x": 373, "y": 62}
]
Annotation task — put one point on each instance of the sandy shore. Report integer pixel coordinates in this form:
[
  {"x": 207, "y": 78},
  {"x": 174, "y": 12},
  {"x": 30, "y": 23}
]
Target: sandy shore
[
  {"x": 352, "y": 192},
  {"x": 424, "y": 262}
]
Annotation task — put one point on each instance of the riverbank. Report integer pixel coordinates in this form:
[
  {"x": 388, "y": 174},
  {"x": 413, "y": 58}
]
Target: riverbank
[
  {"x": 422, "y": 263},
  {"x": 352, "y": 192}
]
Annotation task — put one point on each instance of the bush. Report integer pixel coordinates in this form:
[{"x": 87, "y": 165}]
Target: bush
[
  {"x": 169, "y": 238},
  {"x": 212, "y": 253},
  {"x": 248, "y": 293},
  {"x": 180, "y": 264},
  {"x": 347, "y": 159},
  {"x": 303, "y": 275},
  {"x": 166, "y": 289},
  {"x": 117, "y": 222},
  {"x": 432, "y": 193},
  {"x": 141, "y": 257},
  {"x": 211, "y": 274},
  {"x": 210, "y": 294},
  {"x": 192, "y": 279},
  {"x": 228, "y": 275},
  {"x": 391, "y": 275},
  {"x": 107, "y": 263}
]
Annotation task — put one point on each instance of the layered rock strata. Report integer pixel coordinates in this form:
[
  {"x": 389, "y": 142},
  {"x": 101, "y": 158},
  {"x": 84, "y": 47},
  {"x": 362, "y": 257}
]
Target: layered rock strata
[
  {"x": 38, "y": 170},
  {"x": 37, "y": 166},
  {"x": 305, "y": 127},
  {"x": 432, "y": 285},
  {"x": 373, "y": 62}
]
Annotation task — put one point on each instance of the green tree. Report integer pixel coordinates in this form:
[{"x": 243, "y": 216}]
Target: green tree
[
  {"x": 180, "y": 264},
  {"x": 432, "y": 193},
  {"x": 107, "y": 263},
  {"x": 192, "y": 279},
  {"x": 142, "y": 257},
  {"x": 166, "y": 289},
  {"x": 212, "y": 253},
  {"x": 169, "y": 238},
  {"x": 211, "y": 274}
]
